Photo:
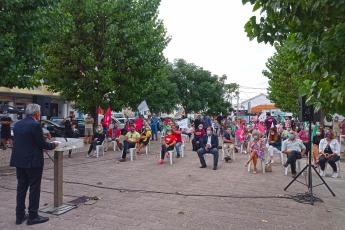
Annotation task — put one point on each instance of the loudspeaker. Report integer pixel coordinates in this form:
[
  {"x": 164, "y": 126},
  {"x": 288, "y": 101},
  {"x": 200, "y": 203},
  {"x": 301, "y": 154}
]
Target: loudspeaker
[{"x": 307, "y": 113}]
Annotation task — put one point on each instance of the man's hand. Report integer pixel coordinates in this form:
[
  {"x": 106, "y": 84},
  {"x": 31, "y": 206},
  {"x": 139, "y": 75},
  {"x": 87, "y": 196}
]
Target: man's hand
[{"x": 208, "y": 146}]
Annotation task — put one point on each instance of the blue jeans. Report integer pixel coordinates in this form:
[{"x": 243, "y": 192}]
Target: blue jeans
[{"x": 178, "y": 147}]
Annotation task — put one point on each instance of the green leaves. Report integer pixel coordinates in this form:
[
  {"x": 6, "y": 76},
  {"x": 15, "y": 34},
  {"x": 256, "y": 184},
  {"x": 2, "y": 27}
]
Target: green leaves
[
  {"x": 313, "y": 33},
  {"x": 103, "y": 46},
  {"x": 198, "y": 90},
  {"x": 21, "y": 26}
]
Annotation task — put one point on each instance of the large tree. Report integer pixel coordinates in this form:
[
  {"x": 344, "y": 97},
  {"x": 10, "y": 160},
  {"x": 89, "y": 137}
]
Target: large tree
[
  {"x": 199, "y": 90},
  {"x": 104, "y": 52},
  {"x": 316, "y": 33},
  {"x": 21, "y": 35}
]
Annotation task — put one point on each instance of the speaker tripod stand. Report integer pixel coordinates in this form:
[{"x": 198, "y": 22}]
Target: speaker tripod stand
[{"x": 308, "y": 168}]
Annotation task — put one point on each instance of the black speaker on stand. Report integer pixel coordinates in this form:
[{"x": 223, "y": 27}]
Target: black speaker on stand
[{"x": 307, "y": 114}]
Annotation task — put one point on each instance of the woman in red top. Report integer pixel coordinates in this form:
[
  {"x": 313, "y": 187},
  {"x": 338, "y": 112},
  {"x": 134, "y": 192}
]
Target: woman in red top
[{"x": 169, "y": 144}]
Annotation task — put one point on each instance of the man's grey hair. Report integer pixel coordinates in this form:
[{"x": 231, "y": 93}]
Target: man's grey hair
[{"x": 31, "y": 109}]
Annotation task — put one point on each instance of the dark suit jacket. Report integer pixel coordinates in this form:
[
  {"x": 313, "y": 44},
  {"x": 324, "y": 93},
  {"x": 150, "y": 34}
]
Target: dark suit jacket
[
  {"x": 28, "y": 144},
  {"x": 214, "y": 141}
]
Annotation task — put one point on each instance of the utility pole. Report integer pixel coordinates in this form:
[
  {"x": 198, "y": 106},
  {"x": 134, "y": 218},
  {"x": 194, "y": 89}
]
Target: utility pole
[{"x": 238, "y": 102}]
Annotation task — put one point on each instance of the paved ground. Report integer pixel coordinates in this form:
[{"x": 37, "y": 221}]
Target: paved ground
[{"x": 226, "y": 207}]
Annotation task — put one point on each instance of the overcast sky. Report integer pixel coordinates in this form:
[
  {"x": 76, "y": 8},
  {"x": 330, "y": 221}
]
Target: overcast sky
[{"x": 210, "y": 34}]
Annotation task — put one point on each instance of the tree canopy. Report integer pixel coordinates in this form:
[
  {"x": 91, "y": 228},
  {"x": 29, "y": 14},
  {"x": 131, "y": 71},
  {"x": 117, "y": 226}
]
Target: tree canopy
[
  {"x": 199, "y": 90},
  {"x": 314, "y": 33},
  {"x": 100, "y": 47},
  {"x": 21, "y": 35}
]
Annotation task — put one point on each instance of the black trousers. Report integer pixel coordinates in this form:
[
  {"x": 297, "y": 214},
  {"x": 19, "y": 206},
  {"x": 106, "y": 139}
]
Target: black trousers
[
  {"x": 202, "y": 151},
  {"x": 196, "y": 143},
  {"x": 28, "y": 179},
  {"x": 165, "y": 150},
  {"x": 331, "y": 161},
  {"x": 291, "y": 159},
  {"x": 126, "y": 146}
]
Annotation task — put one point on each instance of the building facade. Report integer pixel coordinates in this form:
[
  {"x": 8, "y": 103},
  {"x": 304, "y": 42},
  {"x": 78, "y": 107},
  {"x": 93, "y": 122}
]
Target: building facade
[{"x": 52, "y": 104}]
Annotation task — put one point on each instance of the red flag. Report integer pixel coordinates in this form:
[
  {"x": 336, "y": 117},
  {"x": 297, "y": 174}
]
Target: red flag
[
  {"x": 107, "y": 118},
  {"x": 99, "y": 110},
  {"x": 240, "y": 134}
]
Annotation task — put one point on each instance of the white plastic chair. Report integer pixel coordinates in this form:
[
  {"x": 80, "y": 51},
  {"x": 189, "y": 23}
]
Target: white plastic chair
[
  {"x": 299, "y": 163},
  {"x": 147, "y": 148},
  {"x": 132, "y": 153},
  {"x": 338, "y": 167},
  {"x": 262, "y": 165},
  {"x": 223, "y": 152},
  {"x": 100, "y": 148},
  {"x": 171, "y": 153}
]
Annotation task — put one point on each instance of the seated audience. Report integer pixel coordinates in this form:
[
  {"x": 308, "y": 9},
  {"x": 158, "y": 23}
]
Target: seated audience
[
  {"x": 169, "y": 143},
  {"x": 209, "y": 144},
  {"x": 132, "y": 138}
]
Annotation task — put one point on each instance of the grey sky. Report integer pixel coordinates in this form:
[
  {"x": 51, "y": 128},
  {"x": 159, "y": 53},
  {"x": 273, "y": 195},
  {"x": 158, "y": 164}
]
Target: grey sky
[{"x": 211, "y": 35}]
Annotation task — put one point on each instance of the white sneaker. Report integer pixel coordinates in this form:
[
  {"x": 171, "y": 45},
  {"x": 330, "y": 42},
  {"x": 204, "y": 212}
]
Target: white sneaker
[
  {"x": 322, "y": 173},
  {"x": 335, "y": 175}
]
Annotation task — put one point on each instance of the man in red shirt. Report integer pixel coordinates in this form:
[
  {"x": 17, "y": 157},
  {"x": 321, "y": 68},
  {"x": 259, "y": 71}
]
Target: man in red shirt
[
  {"x": 169, "y": 144},
  {"x": 198, "y": 134},
  {"x": 178, "y": 135}
]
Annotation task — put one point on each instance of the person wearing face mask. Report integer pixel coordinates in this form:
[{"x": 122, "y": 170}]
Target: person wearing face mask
[
  {"x": 168, "y": 145},
  {"x": 131, "y": 139},
  {"x": 293, "y": 148},
  {"x": 144, "y": 138},
  {"x": 274, "y": 142},
  {"x": 209, "y": 144},
  {"x": 329, "y": 149},
  {"x": 198, "y": 134},
  {"x": 27, "y": 157},
  {"x": 98, "y": 139},
  {"x": 256, "y": 150}
]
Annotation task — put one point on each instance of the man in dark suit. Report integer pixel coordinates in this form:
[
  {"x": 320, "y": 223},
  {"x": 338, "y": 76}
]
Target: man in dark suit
[
  {"x": 209, "y": 144},
  {"x": 27, "y": 157}
]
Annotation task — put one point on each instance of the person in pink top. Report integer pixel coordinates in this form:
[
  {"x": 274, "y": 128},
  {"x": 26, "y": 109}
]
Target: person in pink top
[{"x": 304, "y": 136}]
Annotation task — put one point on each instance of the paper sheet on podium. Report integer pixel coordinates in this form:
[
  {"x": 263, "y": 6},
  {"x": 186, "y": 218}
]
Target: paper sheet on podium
[{"x": 68, "y": 143}]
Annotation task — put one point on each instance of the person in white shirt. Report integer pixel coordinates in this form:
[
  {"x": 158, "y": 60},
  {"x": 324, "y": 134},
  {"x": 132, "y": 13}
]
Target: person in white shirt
[
  {"x": 329, "y": 149},
  {"x": 294, "y": 149}
]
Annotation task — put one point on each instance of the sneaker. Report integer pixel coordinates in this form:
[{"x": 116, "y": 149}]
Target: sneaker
[
  {"x": 122, "y": 160},
  {"x": 335, "y": 175},
  {"x": 161, "y": 162},
  {"x": 322, "y": 173}
]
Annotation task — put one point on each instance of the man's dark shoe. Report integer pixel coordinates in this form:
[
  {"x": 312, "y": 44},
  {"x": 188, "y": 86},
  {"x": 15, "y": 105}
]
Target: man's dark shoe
[
  {"x": 37, "y": 220},
  {"x": 122, "y": 160},
  {"x": 286, "y": 165},
  {"x": 294, "y": 175},
  {"x": 215, "y": 168},
  {"x": 178, "y": 156},
  {"x": 203, "y": 166},
  {"x": 20, "y": 220}
]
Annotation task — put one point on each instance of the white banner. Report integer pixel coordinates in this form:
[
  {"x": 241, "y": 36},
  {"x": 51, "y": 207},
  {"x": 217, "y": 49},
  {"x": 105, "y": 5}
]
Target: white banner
[
  {"x": 183, "y": 124},
  {"x": 143, "y": 107}
]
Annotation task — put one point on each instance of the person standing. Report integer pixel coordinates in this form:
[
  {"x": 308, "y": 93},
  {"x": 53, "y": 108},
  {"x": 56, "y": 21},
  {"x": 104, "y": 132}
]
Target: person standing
[
  {"x": 154, "y": 127},
  {"x": 89, "y": 122},
  {"x": 27, "y": 157},
  {"x": 336, "y": 125},
  {"x": 5, "y": 129}
]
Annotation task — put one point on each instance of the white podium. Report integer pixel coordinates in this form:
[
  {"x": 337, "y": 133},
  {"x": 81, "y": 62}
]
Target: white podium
[{"x": 65, "y": 144}]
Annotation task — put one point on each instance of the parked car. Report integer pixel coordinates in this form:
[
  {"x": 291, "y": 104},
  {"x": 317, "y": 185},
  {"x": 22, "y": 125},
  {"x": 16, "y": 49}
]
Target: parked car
[
  {"x": 55, "y": 129},
  {"x": 80, "y": 124}
]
